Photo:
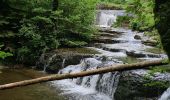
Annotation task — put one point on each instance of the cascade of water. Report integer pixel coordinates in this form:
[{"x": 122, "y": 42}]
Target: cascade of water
[
  {"x": 91, "y": 85},
  {"x": 49, "y": 61},
  {"x": 166, "y": 95},
  {"x": 105, "y": 18},
  {"x": 63, "y": 63},
  {"x": 103, "y": 86}
]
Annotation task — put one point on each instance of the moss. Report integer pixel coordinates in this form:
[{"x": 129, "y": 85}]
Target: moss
[
  {"x": 130, "y": 60},
  {"x": 150, "y": 83},
  {"x": 75, "y": 43},
  {"x": 160, "y": 69},
  {"x": 155, "y": 50},
  {"x": 122, "y": 21},
  {"x": 154, "y": 35},
  {"x": 159, "y": 84}
]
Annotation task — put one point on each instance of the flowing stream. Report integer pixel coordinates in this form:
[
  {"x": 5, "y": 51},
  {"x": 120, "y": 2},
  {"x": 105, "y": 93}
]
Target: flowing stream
[
  {"x": 103, "y": 87},
  {"x": 117, "y": 43}
]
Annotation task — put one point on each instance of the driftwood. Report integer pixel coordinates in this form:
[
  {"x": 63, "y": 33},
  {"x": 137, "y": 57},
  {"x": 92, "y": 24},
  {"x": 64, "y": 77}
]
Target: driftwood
[{"x": 107, "y": 69}]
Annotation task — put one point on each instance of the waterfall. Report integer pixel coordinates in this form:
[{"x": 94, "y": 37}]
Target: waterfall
[
  {"x": 166, "y": 95},
  {"x": 63, "y": 63},
  {"x": 106, "y": 18},
  {"x": 98, "y": 87},
  {"x": 49, "y": 61},
  {"x": 101, "y": 86}
]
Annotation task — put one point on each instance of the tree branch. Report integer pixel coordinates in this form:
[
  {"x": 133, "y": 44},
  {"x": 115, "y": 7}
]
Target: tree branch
[{"x": 103, "y": 70}]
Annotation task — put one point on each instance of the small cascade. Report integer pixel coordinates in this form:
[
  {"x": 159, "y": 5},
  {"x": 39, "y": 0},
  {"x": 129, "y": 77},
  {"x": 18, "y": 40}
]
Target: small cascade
[
  {"x": 105, "y": 18},
  {"x": 97, "y": 87},
  {"x": 49, "y": 61},
  {"x": 107, "y": 83},
  {"x": 63, "y": 63},
  {"x": 166, "y": 95},
  {"x": 103, "y": 86}
]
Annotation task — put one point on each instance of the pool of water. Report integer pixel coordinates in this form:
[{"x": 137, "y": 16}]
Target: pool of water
[{"x": 32, "y": 92}]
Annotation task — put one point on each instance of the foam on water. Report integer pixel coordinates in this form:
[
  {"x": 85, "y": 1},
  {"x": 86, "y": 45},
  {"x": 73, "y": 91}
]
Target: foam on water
[
  {"x": 105, "y": 18},
  {"x": 96, "y": 87},
  {"x": 108, "y": 53},
  {"x": 166, "y": 95}
]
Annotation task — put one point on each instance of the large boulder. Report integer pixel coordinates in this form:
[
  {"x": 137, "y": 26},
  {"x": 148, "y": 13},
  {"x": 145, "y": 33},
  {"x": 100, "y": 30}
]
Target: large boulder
[{"x": 140, "y": 85}]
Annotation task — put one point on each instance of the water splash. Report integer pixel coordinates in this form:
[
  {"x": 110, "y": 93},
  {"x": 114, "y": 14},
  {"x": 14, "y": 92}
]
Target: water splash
[
  {"x": 63, "y": 63},
  {"x": 106, "y": 18},
  {"x": 166, "y": 95},
  {"x": 98, "y": 87},
  {"x": 48, "y": 62}
]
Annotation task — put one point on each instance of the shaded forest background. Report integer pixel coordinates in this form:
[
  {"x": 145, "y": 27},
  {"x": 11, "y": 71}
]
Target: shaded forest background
[{"x": 29, "y": 28}]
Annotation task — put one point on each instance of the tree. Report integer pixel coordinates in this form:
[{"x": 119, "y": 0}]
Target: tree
[
  {"x": 82, "y": 74},
  {"x": 45, "y": 25},
  {"x": 162, "y": 17}
]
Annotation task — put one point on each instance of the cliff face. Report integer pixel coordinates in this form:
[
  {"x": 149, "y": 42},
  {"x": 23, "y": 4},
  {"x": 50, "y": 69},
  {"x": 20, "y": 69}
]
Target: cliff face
[{"x": 162, "y": 15}]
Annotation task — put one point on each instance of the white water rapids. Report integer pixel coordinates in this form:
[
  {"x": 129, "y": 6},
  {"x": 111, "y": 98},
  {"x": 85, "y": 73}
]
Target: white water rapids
[
  {"x": 101, "y": 87},
  {"x": 97, "y": 87}
]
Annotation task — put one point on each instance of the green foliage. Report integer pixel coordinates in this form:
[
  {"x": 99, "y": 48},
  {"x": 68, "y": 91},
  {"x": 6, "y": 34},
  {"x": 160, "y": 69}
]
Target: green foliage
[
  {"x": 155, "y": 36},
  {"x": 69, "y": 43},
  {"x": 115, "y": 1},
  {"x": 143, "y": 14},
  {"x": 38, "y": 27},
  {"x": 3, "y": 55},
  {"x": 155, "y": 83},
  {"x": 112, "y": 4},
  {"x": 122, "y": 21}
]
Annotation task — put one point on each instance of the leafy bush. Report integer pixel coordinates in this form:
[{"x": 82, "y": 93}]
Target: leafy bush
[
  {"x": 3, "y": 54},
  {"x": 72, "y": 43},
  {"x": 143, "y": 14},
  {"x": 122, "y": 21},
  {"x": 44, "y": 28}
]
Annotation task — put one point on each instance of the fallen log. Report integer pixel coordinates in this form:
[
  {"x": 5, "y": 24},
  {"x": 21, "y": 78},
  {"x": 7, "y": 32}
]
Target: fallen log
[{"x": 107, "y": 69}]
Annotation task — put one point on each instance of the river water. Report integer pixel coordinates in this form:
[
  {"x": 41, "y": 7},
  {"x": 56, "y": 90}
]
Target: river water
[
  {"x": 123, "y": 45},
  {"x": 33, "y": 92}
]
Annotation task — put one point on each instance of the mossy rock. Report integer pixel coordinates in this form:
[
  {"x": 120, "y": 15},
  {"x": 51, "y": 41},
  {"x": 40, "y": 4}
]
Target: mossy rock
[{"x": 134, "y": 86}]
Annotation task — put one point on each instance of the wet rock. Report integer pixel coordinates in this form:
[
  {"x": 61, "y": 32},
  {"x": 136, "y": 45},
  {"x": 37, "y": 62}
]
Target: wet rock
[
  {"x": 137, "y": 37},
  {"x": 108, "y": 35},
  {"x": 55, "y": 61},
  {"x": 150, "y": 43},
  {"x": 113, "y": 49},
  {"x": 108, "y": 40},
  {"x": 142, "y": 55},
  {"x": 134, "y": 54},
  {"x": 108, "y": 7},
  {"x": 98, "y": 45},
  {"x": 110, "y": 31},
  {"x": 138, "y": 84},
  {"x": 103, "y": 40}
]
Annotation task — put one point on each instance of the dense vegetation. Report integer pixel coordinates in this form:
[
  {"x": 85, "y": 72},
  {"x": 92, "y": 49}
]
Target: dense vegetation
[{"x": 30, "y": 27}]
